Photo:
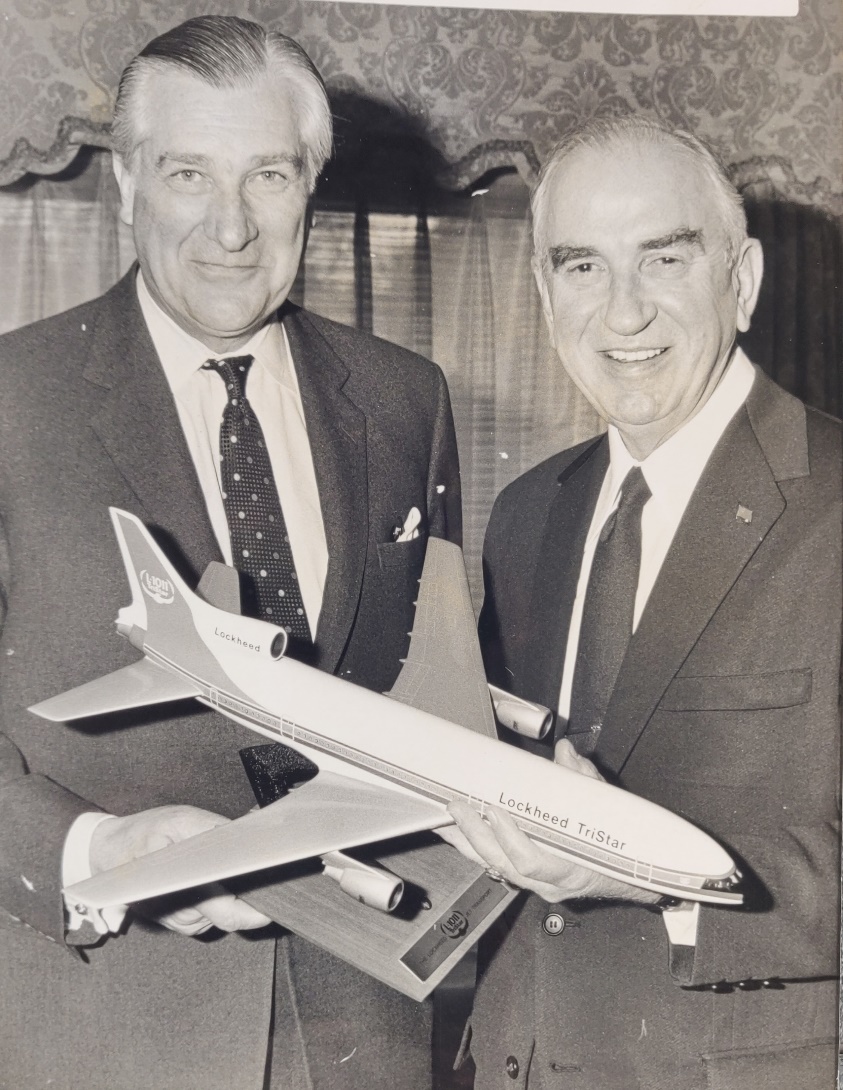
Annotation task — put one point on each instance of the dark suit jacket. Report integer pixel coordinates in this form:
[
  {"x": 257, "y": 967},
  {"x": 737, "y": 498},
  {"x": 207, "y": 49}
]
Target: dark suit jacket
[
  {"x": 87, "y": 420},
  {"x": 725, "y": 711}
]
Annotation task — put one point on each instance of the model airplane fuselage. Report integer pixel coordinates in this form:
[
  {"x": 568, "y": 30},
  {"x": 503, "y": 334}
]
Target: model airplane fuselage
[{"x": 406, "y": 760}]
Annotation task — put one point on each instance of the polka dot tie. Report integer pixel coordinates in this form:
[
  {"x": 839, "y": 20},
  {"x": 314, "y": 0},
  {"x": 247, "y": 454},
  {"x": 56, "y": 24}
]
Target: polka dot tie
[{"x": 260, "y": 543}]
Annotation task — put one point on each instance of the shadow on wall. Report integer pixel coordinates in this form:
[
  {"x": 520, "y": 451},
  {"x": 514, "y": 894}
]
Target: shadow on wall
[
  {"x": 382, "y": 159},
  {"x": 797, "y": 329},
  {"x": 384, "y": 162}
]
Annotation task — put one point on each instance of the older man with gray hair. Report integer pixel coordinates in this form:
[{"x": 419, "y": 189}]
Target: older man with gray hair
[
  {"x": 220, "y": 132},
  {"x": 672, "y": 589}
]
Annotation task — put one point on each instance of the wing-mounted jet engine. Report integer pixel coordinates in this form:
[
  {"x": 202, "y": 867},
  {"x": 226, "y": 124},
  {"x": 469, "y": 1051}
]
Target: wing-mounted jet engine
[{"x": 372, "y": 886}]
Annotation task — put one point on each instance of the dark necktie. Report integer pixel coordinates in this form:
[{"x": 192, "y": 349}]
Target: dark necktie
[
  {"x": 607, "y": 613},
  {"x": 260, "y": 544}
]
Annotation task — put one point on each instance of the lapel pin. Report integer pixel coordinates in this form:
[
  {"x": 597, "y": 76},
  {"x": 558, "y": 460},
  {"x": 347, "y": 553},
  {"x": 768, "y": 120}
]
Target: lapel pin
[{"x": 743, "y": 514}]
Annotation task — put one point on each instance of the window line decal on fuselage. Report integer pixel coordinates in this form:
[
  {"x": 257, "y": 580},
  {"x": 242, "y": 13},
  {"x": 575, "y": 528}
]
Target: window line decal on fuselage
[{"x": 249, "y": 713}]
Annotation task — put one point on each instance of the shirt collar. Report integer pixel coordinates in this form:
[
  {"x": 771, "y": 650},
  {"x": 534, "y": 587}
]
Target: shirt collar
[
  {"x": 182, "y": 355},
  {"x": 674, "y": 468}
]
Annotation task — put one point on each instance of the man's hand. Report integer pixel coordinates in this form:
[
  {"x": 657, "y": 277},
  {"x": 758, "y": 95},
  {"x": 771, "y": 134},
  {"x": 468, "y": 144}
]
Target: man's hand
[
  {"x": 118, "y": 840},
  {"x": 498, "y": 844}
]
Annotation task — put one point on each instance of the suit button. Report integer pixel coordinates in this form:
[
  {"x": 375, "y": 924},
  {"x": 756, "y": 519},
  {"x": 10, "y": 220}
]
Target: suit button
[
  {"x": 553, "y": 924},
  {"x": 512, "y": 1068}
]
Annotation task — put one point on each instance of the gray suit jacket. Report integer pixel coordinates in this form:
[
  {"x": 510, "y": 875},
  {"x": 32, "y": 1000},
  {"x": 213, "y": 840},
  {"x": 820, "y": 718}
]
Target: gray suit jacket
[
  {"x": 87, "y": 420},
  {"x": 726, "y": 711}
]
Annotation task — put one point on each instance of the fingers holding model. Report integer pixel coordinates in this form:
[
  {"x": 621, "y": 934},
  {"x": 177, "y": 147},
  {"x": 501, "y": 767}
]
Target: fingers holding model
[
  {"x": 118, "y": 840},
  {"x": 495, "y": 842}
]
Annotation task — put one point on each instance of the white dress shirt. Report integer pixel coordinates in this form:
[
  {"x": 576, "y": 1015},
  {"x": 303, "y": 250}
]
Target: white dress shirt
[
  {"x": 273, "y": 392},
  {"x": 672, "y": 472},
  {"x": 199, "y": 394}
]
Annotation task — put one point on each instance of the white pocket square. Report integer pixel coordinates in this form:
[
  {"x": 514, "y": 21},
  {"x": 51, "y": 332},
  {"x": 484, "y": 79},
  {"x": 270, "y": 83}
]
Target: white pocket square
[{"x": 410, "y": 530}]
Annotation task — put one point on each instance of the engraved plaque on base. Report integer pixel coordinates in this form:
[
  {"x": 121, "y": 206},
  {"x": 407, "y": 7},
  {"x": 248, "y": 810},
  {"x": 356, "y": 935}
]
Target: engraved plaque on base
[{"x": 448, "y": 904}]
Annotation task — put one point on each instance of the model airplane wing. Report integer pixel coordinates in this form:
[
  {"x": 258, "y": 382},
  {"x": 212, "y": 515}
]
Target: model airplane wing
[
  {"x": 133, "y": 686},
  {"x": 324, "y": 815},
  {"x": 443, "y": 673}
]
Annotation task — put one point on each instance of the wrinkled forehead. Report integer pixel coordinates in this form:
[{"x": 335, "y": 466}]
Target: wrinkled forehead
[
  {"x": 180, "y": 108},
  {"x": 652, "y": 186}
]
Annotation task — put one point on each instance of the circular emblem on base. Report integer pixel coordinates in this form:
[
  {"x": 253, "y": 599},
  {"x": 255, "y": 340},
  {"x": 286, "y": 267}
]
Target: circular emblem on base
[{"x": 455, "y": 925}]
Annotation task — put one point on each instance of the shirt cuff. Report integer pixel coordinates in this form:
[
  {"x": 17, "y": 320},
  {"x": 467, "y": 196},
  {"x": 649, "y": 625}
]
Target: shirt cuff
[
  {"x": 76, "y": 867},
  {"x": 681, "y": 923}
]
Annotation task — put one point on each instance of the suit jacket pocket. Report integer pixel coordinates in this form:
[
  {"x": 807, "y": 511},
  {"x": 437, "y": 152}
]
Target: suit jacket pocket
[
  {"x": 809, "y": 1066},
  {"x": 740, "y": 692},
  {"x": 395, "y": 555},
  {"x": 385, "y": 614}
]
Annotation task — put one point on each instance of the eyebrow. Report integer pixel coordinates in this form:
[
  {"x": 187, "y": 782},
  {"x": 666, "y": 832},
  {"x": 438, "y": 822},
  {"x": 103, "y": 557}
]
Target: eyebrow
[
  {"x": 683, "y": 236},
  {"x": 559, "y": 255},
  {"x": 174, "y": 157}
]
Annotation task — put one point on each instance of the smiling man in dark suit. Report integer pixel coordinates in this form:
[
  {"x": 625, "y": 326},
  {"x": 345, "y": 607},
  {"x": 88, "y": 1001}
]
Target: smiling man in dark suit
[
  {"x": 673, "y": 590},
  {"x": 138, "y": 399}
]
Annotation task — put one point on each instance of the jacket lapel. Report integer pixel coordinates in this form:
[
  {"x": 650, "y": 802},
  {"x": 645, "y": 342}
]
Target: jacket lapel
[
  {"x": 712, "y": 546},
  {"x": 336, "y": 428},
  {"x": 137, "y": 423},
  {"x": 557, "y": 570}
]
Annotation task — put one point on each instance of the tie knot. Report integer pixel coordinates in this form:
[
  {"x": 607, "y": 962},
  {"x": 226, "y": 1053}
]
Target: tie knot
[
  {"x": 234, "y": 371},
  {"x": 634, "y": 490},
  {"x": 634, "y": 494}
]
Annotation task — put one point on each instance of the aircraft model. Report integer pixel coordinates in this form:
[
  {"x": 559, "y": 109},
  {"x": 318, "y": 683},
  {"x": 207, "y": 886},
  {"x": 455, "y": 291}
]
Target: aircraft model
[{"x": 388, "y": 763}]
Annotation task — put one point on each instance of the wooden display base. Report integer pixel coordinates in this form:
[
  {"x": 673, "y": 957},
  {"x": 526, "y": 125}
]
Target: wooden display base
[{"x": 447, "y": 905}]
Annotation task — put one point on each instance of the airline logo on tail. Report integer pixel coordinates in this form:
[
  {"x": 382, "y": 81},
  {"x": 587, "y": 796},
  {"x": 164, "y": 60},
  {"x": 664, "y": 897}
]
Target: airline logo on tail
[{"x": 159, "y": 590}]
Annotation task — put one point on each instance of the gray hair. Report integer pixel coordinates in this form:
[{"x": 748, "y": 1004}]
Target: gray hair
[
  {"x": 226, "y": 51},
  {"x": 600, "y": 133}
]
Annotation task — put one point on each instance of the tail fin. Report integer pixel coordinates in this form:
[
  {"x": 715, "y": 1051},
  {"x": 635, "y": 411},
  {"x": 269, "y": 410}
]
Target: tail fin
[
  {"x": 159, "y": 608},
  {"x": 160, "y": 615},
  {"x": 183, "y": 636},
  {"x": 167, "y": 618}
]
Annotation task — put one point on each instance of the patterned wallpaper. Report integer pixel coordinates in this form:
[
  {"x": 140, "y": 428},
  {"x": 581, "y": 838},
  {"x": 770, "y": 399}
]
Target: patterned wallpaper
[{"x": 483, "y": 88}]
